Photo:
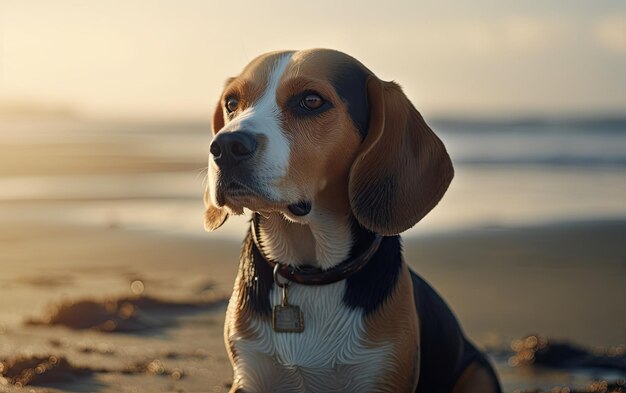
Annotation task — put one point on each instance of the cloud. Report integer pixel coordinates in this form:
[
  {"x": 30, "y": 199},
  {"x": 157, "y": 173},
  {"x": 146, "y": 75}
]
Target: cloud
[{"x": 610, "y": 33}]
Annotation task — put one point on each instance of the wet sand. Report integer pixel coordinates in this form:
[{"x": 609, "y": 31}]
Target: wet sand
[{"x": 168, "y": 290}]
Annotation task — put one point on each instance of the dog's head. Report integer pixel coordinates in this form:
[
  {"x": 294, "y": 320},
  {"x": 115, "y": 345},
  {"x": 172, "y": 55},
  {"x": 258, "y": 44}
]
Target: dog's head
[{"x": 296, "y": 131}]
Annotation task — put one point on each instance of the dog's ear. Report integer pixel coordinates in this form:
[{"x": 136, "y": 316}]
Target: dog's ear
[
  {"x": 402, "y": 168},
  {"x": 218, "y": 118},
  {"x": 214, "y": 216}
]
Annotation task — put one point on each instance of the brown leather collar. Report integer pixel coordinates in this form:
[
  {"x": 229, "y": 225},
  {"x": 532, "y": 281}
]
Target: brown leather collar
[{"x": 316, "y": 276}]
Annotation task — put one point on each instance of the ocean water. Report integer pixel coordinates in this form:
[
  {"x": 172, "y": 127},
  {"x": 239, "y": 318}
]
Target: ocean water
[
  {"x": 508, "y": 173},
  {"x": 566, "y": 143},
  {"x": 511, "y": 173}
]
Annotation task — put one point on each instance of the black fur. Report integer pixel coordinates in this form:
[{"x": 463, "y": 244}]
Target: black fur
[
  {"x": 366, "y": 289},
  {"x": 445, "y": 351},
  {"x": 371, "y": 286},
  {"x": 256, "y": 278},
  {"x": 350, "y": 82}
]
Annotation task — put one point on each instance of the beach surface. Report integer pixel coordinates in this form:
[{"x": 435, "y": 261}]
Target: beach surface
[
  {"x": 502, "y": 283},
  {"x": 109, "y": 284}
]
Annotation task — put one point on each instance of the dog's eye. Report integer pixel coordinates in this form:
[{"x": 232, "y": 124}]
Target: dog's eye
[
  {"x": 312, "y": 101},
  {"x": 308, "y": 103},
  {"x": 231, "y": 104}
]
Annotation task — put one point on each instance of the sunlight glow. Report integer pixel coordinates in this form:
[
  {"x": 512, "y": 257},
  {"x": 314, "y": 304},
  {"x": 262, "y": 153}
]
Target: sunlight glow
[{"x": 167, "y": 59}]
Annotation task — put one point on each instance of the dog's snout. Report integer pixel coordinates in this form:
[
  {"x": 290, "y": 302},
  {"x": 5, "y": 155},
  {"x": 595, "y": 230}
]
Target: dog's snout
[{"x": 230, "y": 148}]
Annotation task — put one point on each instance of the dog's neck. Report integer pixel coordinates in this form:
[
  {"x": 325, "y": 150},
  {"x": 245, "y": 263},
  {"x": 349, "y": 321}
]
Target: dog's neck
[{"x": 324, "y": 241}]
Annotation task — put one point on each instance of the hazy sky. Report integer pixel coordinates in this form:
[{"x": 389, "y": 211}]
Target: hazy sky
[{"x": 169, "y": 58}]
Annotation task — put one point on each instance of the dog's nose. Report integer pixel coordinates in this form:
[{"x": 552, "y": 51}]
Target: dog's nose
[{"x": 230, "y": 148}]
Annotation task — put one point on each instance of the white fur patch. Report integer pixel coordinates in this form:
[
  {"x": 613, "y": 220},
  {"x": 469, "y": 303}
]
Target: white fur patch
[
  {"x": 333, "y": 237},
  {"x": 331, "y": 355},
  {"x": 321, "y": 239},
  {"x": 263, "y": 118}
]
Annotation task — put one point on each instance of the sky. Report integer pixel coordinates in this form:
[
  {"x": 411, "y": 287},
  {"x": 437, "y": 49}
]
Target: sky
[{"x": 166, "y": 59}]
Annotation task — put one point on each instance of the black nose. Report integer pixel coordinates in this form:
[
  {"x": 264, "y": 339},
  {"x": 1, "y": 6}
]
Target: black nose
[{"x": 230, "y": 148}]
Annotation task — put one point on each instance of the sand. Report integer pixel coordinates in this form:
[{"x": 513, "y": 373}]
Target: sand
[{"x": 565, "y": 281}]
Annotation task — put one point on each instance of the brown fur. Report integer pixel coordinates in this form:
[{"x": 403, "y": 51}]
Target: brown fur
[
  {"x": 401, "y": 163},
  {"x": 389, "y": 324},
  {"x": 322, "y": 149}
]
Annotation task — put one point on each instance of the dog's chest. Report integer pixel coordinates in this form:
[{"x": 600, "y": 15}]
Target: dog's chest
[{"x": 333, "y": 352}]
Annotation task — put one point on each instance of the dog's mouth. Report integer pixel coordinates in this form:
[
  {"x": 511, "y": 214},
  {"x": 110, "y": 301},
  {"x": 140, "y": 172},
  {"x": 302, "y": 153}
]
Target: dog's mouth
[
  {"x": 234, "y": 192},
  {"x": 237, "y": 195}
]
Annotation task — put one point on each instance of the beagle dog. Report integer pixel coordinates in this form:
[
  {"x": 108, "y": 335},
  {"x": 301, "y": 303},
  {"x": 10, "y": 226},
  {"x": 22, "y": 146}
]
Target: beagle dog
[{"x": 333, "y": 163}]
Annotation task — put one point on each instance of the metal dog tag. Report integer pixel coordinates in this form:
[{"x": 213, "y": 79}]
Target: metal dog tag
[{"x": 287, "y": 318}]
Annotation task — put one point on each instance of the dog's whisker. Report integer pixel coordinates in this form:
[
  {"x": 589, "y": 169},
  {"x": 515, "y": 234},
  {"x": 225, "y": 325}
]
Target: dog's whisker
[{"x": 204, "y": 171}]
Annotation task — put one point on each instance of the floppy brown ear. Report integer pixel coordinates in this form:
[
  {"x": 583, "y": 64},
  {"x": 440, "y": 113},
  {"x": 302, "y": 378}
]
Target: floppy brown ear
[
  {"x": 214, "y": 217},
  {"x": 218, "y": 118},
  {"x": 402, "y": 169}
]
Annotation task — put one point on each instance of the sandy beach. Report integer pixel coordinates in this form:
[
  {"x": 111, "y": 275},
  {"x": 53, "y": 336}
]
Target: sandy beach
[
  {"x": 109, "y": 284},
  {"x": 518, "y": 273}
]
